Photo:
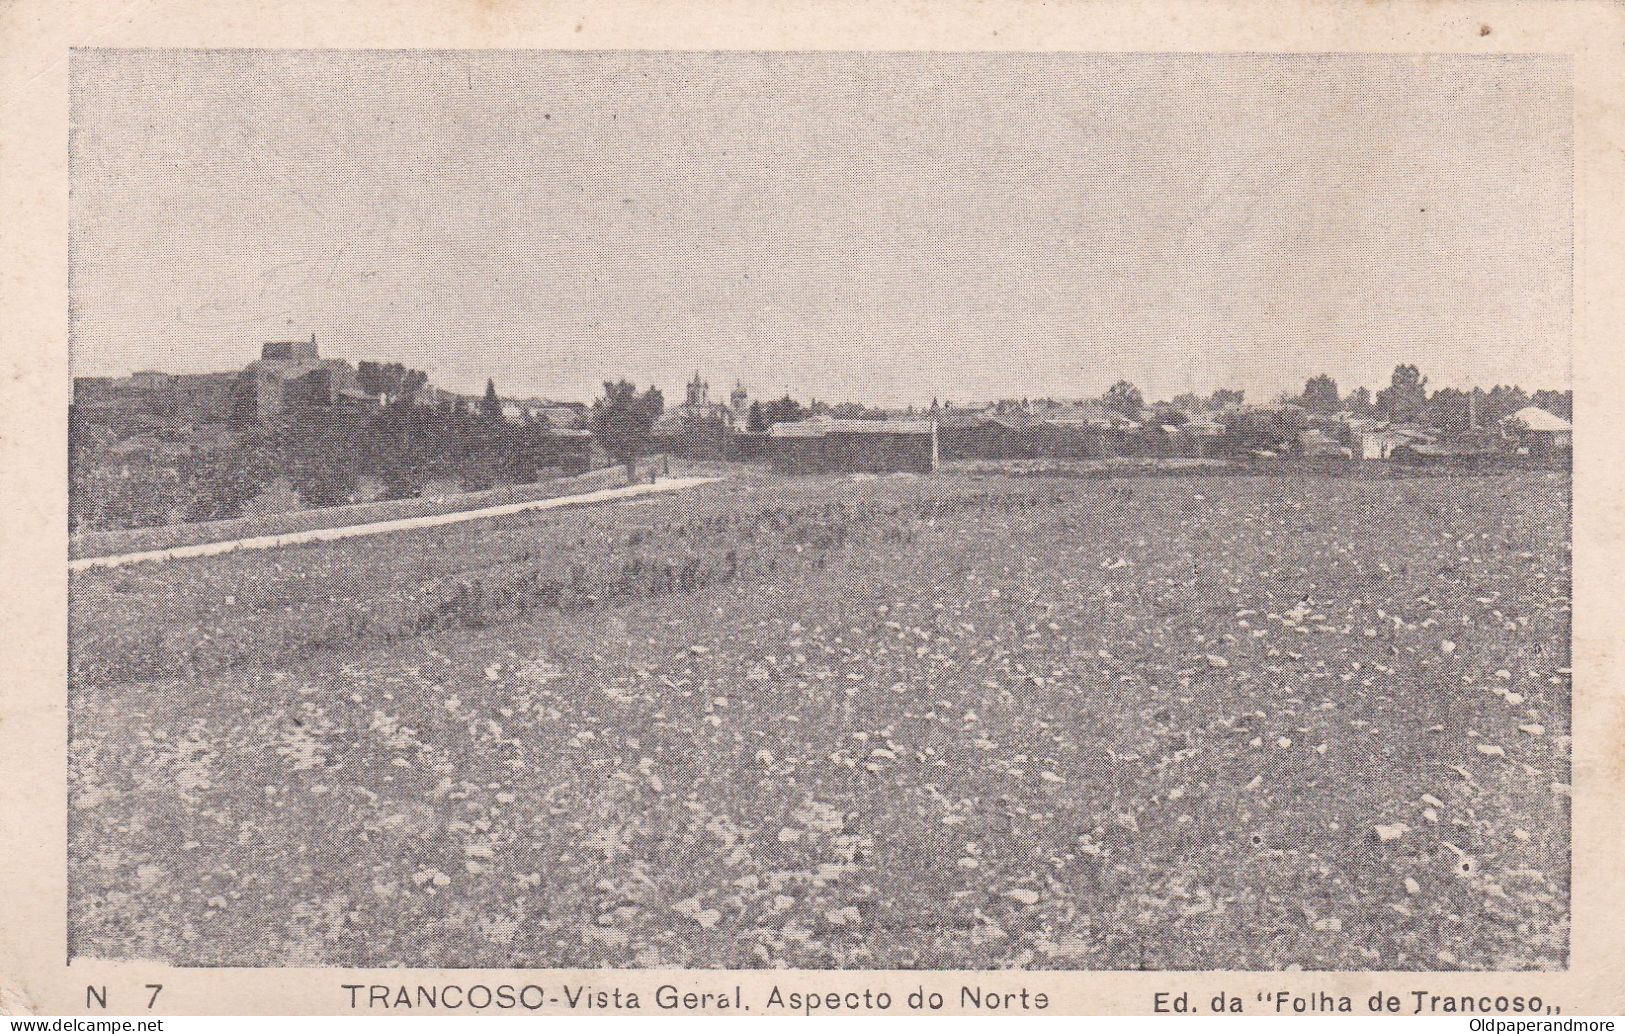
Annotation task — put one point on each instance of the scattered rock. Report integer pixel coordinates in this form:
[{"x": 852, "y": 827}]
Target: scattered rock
[
  {"x": 847, "y": 916},
  {"x": 1392, "y": 831}
]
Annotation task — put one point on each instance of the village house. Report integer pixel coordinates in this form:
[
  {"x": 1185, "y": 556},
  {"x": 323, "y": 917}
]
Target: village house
[
  {"x": 1314, "y": 442},
  {"x": 520, "y": 411},
  {"x": 1203, "y": 431},
  {"x": 1380, "y": 442},
  {"x": 982, "y": 435},
  {"x": 560, "y": 416},
  {"x": 291, "y": 374},
  {"x": 356, "y": 398},
  {"x": 824, "y": 445},
  {"x": 564, "y": 416},
  {"x": 1535, "y": 432}
]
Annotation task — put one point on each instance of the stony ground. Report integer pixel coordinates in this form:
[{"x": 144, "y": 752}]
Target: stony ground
[{"x": 968, "y": 722}]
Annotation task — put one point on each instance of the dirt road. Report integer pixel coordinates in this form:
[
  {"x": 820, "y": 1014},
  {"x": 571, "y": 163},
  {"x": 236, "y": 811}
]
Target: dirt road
[{"x": 383, "y": 527}]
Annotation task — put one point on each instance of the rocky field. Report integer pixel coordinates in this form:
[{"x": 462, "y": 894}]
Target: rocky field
[{"x": 963, "y": 721}]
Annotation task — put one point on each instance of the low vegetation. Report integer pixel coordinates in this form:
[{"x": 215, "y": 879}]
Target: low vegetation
[
  {"x": 965, "y": 721},
  {"x": 313, "y": 458}
]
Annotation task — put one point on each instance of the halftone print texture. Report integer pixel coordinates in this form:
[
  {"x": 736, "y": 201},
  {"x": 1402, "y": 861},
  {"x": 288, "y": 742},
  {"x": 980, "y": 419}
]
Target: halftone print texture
[{"x": 834, "y": 511}]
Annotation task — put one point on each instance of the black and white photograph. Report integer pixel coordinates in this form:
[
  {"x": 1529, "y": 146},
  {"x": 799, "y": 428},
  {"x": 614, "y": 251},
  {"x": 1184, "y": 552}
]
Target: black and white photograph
[{"x": 820, "y": 510}]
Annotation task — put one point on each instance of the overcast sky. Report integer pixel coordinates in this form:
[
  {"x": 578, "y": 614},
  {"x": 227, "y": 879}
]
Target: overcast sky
[{"x": 875, "y": 227}]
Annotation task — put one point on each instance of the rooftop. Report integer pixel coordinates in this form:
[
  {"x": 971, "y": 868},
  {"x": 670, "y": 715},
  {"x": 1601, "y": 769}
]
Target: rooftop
[
  {"x": 818, "y": 427},
  {"x": 1533, "y": 418}
]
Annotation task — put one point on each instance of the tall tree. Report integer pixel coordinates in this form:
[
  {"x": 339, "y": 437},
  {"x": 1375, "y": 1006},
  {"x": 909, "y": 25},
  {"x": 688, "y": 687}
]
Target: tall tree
[
  {"x": 1124, "y": 399},
  {"x": 623, "y": 419},
  {"x": 756, "y": 422},
  {"x": 783, "y": 411},
  {"x": 1449, "y": 409},
  {"x": 369, "y": 376},
  {"x": 1558, "y": 403},
  {"x": 1320, "y": 395},
  {"x": 1169, "y": 415},
  {"x": 414, "y": 382},
  {"x": 392, "y": 380},
  {"x": 491, "y": 405},
  {"x": 1358, "y": 401},
  {"x": 1405, "y": 396},
  {"x": 1502, "y": 401}
]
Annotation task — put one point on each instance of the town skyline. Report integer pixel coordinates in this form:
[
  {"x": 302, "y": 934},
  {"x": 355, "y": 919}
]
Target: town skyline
[{"x": 720, "y": 387}]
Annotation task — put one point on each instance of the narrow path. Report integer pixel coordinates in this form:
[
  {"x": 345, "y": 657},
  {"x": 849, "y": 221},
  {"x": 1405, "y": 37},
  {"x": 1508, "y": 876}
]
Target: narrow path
[{"x": 603, "y": 495}]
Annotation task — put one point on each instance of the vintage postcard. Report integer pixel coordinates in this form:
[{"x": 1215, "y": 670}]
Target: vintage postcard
[{"x": 791, "y": 508}]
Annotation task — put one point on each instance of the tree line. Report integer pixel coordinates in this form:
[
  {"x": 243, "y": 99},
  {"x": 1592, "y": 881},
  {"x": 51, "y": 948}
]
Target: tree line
[
  {"x": 322, "y": 453},
  {"x": 1406, "y": 399}
]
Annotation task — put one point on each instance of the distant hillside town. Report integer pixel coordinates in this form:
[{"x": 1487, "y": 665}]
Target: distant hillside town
[
  {"x": 294, "y": 430},
  {"x": 289, "y": 376}
]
